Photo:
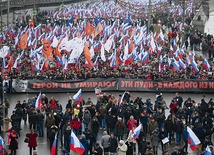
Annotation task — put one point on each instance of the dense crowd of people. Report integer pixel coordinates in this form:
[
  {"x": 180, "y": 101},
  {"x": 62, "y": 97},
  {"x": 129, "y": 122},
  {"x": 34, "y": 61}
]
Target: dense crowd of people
[
  {"x": 117, "y": 118},
  {"x": 118, "y": 49},
  {"x": 102, "y": 40}
]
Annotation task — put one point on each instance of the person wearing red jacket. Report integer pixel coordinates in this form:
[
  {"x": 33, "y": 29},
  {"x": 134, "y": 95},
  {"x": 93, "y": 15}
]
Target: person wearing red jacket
[
  {"x": 131, "y": 123},
  {"x": 76, "y": 124},
  {"x": 52, "y": 103},
  {"x": 32, "y": 143}
]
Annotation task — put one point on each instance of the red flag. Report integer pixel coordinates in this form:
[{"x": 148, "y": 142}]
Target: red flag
[{"x": 10, "y": 64}]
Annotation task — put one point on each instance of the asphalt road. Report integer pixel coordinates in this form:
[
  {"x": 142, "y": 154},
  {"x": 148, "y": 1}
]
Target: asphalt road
[{"x": 43, "y": 144}]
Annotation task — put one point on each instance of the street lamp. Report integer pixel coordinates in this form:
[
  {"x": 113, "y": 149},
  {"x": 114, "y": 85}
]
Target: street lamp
[
  {"x": 8, "y": 11},
  {"x": 1, "y": 16},
  {"x": 149, "y": 14}
]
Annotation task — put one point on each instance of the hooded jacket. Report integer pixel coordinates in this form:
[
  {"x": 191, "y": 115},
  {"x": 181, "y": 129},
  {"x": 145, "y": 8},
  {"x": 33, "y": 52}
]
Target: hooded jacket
[
  {"x": 122, "y": 148},
  {"x": 105, "y": 139}
]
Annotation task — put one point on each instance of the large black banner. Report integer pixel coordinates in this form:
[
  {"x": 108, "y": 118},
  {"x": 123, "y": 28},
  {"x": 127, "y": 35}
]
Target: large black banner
[
  {"x": 64, "y": 86},
  {"x": 112, "y": 84}
]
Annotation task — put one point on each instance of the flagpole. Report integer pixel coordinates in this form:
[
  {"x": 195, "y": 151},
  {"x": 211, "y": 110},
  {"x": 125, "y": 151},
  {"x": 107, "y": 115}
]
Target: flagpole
[
  {"x": 149, "y": 15},
  {"x": 8, "y": 11}
]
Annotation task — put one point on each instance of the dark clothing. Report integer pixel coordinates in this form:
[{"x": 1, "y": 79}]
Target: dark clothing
[
  {"x": 142, "y": 147},
  {"x": 113, "y": 144},
  {"x": 179, "y": 100},
  {"x": 84, "y": 142},
  {"x": 169, "y": 125},
  {"x": 98, "y": 151},
  {"x": 13, "y": 143}
]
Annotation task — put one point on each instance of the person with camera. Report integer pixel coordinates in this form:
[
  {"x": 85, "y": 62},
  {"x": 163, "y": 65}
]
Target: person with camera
[
  {"x": 32, "y": 142},
  {"x": 97, "y": 149}
]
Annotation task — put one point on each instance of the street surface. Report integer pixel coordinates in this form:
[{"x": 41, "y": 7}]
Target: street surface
[{"x": 43, "y": 144}]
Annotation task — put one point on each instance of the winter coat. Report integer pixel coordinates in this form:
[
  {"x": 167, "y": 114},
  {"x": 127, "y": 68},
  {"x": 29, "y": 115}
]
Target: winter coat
[
  {"x": 105, "y": 140},
  {"x": 131, "y": 124},
  {"x": 32, "y": 139},
  {"x": 95, "y": 126},
  {"x": 109, "y": 120},
  {"x": 152, "y": 126},
  {"x": 102, "y": 111},
  {"x": 179, "y": 127},
  {"x": 49, "y": 122},
  {"x": 169, "y": 125},
  {"x": 40, "y": 117},
  {"x": 155, "y": 138},
  {"x": 160, "y": 118},
  {"x": 122, "y": 148},
  {"x": 99, "y": 151},
  {"x": 113, "y": 145},
  {"x": 67, "y": 133},
  {"x": 13, "y": 143},
  {"x": 76, "y": 124},
  {"x": 86, "y": 117},
  {"x": 142, "y": 147},
  {"x": 144, "y": 119},
  {"x": 120, "y": 128}
]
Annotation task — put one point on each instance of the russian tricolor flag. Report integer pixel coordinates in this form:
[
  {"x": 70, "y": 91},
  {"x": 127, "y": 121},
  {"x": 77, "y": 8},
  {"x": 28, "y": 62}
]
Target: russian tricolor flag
[
  {"x": 194, "y": 66},
  {"x": 38, "y": 101},
  {"x": 121, "y": 99},
  {"x": 192, "y": 139},
  {"x": 2, "y": 146},
  {"x": 75, "y": 145},
  {"x": 78, "y": 96},
  {"x": 137, "y": 131},
  {"x": 129, "y": 59},
  {"x": 182, "y": 65},
  {"x": 176, "y": 66},
  {"x": 53, "y": 148},
  {"x": 145, "y": 58},
  {"x": 206, "y": 65}
]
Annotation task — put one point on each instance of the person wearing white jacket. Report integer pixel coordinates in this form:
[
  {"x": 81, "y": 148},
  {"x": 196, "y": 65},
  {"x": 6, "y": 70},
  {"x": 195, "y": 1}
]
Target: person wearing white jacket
[{"x": 122, "y": 148}]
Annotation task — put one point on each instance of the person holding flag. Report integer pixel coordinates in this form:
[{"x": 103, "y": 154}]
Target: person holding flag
[
  {"x": 54, "y": 146},
  {"x": 75, "y": 145}
]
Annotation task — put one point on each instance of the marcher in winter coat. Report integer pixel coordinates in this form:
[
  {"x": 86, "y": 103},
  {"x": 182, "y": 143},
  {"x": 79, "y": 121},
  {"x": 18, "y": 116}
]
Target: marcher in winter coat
[
  {"x": 32, "y": 144},
  {"x": 152, "y": 125},
  {"x": 76, "y": 124},
  {"x": 50, "y": 121},
  {"x": 86, "y": 118},
  {"x": 112, "y": 144},
  {"x": 122, "y": 148},
  {"x": 155, "y": 141},
  {"x": 120, "y": 129},
  {"x": 13, "y": 142},
  {"x": 105, "y": 142},
  {"x": 131, "y": 123},
  {"x": 97, "y": 149}
]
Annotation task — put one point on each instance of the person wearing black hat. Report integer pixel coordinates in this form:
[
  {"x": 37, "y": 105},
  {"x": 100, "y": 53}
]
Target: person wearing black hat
[{"x": 97, "y": 149}]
